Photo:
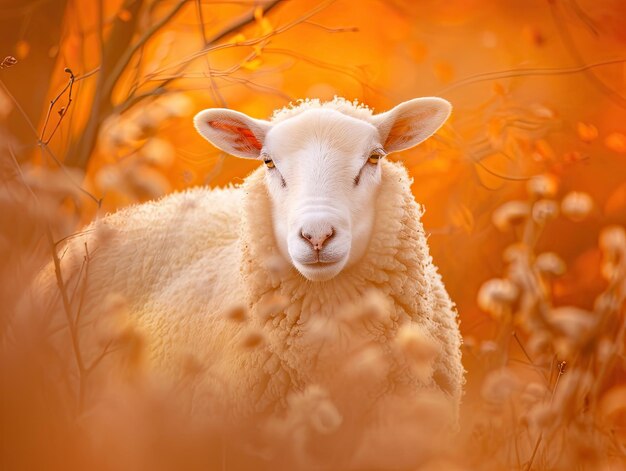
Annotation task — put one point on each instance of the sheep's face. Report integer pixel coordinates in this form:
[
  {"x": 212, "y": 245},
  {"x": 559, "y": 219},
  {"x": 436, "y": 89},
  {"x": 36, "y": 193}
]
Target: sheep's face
[{"x": 323, "y": 173}]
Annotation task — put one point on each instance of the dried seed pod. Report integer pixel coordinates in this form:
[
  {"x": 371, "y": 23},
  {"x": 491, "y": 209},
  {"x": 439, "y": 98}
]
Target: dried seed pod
[
  {"x": 577, "y": 205},
  {"x": 550, "y": 263},
  {"x": 613, "y": 239},
  {"x": 416, "y": 344},
  {"x": 497, "y": 295},
  {"x": 499, "y": 385},
  {"x": 544, "y": 210},
  {"x": 510, "y": 214},
  {"x": 572, "y": 322},
  {"x": 534, "y": 393},
  {"x": 543, "y": 186}
]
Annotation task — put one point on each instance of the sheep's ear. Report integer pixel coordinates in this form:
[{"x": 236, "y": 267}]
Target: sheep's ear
[
  {"x": 411, "y": 122},
  {"x": 232, "y": 131}
]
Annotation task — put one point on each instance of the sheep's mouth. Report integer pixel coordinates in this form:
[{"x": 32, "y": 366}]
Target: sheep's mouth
[
  {"x": 319, "y": 270},
  {"x": 319, "y": 263},
  {"x": 320, "y": 259}
]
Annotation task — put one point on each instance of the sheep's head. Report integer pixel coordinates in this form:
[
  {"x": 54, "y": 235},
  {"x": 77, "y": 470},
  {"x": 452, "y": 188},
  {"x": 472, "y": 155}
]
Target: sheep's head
[{"x": 323, "y": 172}]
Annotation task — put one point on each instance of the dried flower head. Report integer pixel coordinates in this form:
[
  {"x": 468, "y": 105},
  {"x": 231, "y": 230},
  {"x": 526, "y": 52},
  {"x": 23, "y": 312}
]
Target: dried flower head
[
  {"x": 543, "y": 186},
  {"x": 587, "y": 132},
  {"x": 496, "y": 296},
  {"x": 176, "y": 104},
  {"x": 545, "y": 210},
  {"x": 499, "y": 385},
  {"x": 510, "y": 214},
  {"x": 572, "y": 322},
  {"x": 612, "y": 240},
  {"x": 158, "y": 152},
  {"x": 540, "y": 344},
  {"x": 419, "y": 349},
  {"x": 576, "y": 205},
  {"x": 550, "y": 263},
  {"x": 315, "y": 407},
  {"x": 534, "y": 393},
  {"x": 369, "y": 363}
]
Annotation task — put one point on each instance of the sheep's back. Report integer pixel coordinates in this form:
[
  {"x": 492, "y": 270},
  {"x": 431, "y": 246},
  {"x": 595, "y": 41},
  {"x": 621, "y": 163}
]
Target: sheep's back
[{"x": 171, "y": 265}]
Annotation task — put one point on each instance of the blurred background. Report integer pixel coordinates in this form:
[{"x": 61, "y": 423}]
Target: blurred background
[{"x": 97, "y": 97}]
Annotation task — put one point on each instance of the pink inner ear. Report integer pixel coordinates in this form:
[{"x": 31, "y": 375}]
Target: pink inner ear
[{"x": 243, "y": 137}]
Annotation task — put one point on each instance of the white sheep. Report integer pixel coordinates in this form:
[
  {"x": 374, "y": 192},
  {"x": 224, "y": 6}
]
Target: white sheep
[{"x": 326, "y": 221}]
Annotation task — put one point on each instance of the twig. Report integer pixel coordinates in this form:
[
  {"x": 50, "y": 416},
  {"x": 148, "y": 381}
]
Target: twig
[
  {"x": 100, "y": 357},
  {"x": 561, "y": 371},
  {"x": 62, "y": 111},
  {"x": 83, "y": 290},
  {"x": 502, "y": 74},
  {"x": 571, "y": 46},
  {"x": 345, "y": 29},
  {"x": 124, "y": 60},
  {"x": 70, "y": 322},
  {"x": 205, "y": 40},
  {"x": 45, "y": 147},
  {"x": 249, "y": 42},
  {"x": 521, "y": 346}
]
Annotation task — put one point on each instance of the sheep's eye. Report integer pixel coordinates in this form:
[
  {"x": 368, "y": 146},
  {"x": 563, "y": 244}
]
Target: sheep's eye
[
  {"x": 269, "y": 163},
  {"x": 374, "y": 158}
]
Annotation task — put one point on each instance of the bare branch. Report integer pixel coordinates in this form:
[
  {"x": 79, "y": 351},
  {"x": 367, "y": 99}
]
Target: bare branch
[
  {"x": 62, "y": 111},
  {"x": 45, "y": 147},
  {"x": 503, "y": 74},
  {"x": 123, "y": 62}
]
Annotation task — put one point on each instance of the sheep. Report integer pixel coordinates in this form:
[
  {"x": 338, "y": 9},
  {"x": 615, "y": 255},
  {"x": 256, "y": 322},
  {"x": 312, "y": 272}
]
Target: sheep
[{"x": 322, "y": 235}]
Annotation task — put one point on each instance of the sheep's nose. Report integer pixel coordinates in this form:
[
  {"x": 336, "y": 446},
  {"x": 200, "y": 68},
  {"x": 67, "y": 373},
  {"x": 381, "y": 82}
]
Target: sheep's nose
[{"x": 317, "y": 238}]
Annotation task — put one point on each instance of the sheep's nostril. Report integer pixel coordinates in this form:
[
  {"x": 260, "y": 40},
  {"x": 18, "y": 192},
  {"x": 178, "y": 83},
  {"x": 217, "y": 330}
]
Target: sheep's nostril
[{"x": 317, "y": 241}]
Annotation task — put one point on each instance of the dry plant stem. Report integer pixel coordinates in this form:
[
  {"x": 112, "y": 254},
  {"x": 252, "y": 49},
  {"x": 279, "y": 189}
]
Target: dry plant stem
[
  {"x": 102, "y": 106},
  {"x": 217, "y": 96},
  {"x": 618, "y": 298},
  {"x": 511, "y": 73},
  {"x": 503, "y": 340},
  {"x": 72, "y": 323},
  {"x": 45, "y": 147},
  {"x": 560, "y": 372},
  {"x": 62, "y": 112},
  {"x": 525, "y": 352},
  {"x": 248, "y": 42},
  {"x": 587, "y": 21},
  {"x": 82, "y": 371},
  {"x": 325, "y": 65}
]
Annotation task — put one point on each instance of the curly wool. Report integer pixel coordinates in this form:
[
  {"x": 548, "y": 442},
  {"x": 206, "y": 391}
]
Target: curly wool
[
  {"x": 350, "y": 108},
  {"x": 397, "y": 265}
]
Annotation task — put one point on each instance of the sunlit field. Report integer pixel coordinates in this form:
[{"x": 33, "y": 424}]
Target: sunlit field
[{"x": 524, "y": 197}]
